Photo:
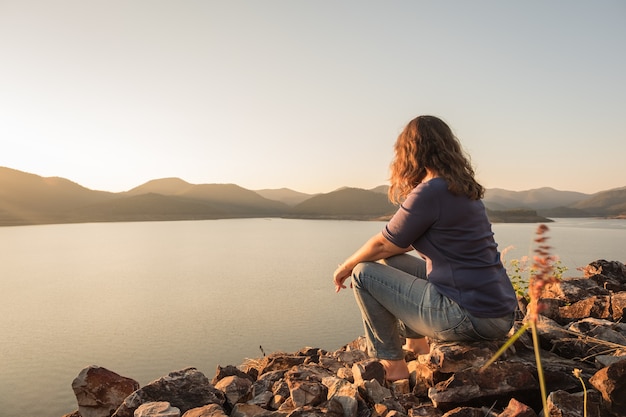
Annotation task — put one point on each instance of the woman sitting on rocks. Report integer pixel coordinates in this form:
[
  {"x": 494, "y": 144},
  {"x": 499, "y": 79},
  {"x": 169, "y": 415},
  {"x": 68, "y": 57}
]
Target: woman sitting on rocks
[{"x": 457, "y": 289}]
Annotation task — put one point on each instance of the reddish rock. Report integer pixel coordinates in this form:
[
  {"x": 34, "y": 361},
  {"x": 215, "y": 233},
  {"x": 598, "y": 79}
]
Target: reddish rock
[{"x": 99, "y": 391}]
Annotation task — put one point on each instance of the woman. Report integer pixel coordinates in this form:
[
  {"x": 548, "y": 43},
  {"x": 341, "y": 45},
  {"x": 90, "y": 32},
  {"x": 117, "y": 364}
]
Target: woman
[{"x": 457, "y": 289}]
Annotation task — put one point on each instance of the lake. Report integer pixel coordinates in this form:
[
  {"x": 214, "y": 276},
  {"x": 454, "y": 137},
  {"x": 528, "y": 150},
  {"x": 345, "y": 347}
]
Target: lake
[{"x": 144, "y": 299}]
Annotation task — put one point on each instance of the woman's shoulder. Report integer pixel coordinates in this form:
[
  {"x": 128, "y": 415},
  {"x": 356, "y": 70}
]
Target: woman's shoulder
[{"x": 434, "y": 185}]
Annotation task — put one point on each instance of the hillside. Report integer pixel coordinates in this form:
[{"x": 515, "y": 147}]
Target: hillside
[
  {"x": 345, "y": 203},
  {"x": 284, "y": 195},
  {"x": 31, "y": 199},
  {"x": 604, "y": 203},
  {"x": 537, "y": 199}
]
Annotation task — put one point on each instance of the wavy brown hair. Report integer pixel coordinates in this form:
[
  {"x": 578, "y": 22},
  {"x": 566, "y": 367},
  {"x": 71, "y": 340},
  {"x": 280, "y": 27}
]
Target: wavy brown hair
[{"x": 428, "y": 142}]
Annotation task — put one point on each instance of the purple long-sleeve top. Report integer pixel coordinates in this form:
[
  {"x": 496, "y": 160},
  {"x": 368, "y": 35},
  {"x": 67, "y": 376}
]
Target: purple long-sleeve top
[{"x": 453, "y": 234}]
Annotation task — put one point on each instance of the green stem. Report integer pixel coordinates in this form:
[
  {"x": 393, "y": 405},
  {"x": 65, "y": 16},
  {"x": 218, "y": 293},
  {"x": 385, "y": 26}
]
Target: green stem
[
  {"x": 504, "y": 347},
  {"x": 542, "y": 382}
]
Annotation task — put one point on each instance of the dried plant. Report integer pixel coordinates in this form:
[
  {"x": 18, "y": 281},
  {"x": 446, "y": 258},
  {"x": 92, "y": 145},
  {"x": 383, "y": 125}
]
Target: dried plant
[{"x": 543, "y": 268}]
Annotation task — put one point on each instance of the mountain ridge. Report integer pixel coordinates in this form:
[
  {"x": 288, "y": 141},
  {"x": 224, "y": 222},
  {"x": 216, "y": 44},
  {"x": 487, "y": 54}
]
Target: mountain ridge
[{"x": 27, "y": 198}]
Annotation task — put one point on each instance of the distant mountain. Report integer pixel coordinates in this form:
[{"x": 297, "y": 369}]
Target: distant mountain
[
  {"x": 354, "y": 203},
  {"x": 27, "y": 198},
  {"x": 30, "y": 199},
  {"x": 604, "y": 203},
  {"x": 284, "y": 195},
  {"x": 537, "y": 199},
  {"x": 165, "y": 186}
]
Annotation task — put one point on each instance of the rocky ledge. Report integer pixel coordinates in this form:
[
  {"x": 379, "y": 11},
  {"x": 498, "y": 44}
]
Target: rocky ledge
[{"x": 583, "y": 354}]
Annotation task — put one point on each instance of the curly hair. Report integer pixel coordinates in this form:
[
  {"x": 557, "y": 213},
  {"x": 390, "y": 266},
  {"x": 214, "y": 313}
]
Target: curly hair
[{"x": 428, "y": 142}]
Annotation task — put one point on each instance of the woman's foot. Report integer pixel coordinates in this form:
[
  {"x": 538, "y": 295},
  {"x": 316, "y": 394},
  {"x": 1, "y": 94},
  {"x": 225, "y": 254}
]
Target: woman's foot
[
  {"x": 418, "y": 346},
  {"x": 395, "y": 370}
]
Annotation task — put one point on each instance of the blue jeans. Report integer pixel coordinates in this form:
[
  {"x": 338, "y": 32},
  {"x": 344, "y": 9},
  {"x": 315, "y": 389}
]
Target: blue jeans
[{"x": 396, "y": 300}]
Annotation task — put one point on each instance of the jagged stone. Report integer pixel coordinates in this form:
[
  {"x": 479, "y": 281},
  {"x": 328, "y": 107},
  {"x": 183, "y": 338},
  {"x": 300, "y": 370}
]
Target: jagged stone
[
  {"x": 266, "y": 382},
  {"x": 235, "y": 388},
  {"x": 572, "y": 289},
  {"x": 350, "y": 357},
  {"x": 599, "y": 329},
  {"x": 611, "y": 383},
  {"x": 564, "y": 404},
  {"x": 184, "y": 389},
  {"x": 230, "y": 370},
  {"x": 595, "y": 306},
  {"x": 247, "y": 410},
  {"x": 400, "y": 387},
  {"x": 157, "y": 409},
  {"x": 517, "y": 409},
  {"x": 618, "y": 306},
  {"x": 343, "y": 392},
  {"x": 452, "y": 357},
  {"x": 345, "y": 373},
  {"x": 366, "y": 370},
  {"x": 607, "y": 360},
  {"x": 281, "y": 394},
  {"x": 280, "y": 362},
  {"x": 607, "y": 274},
  {"x": 305, "y": 385},
  {"x": 375, "y": 392},
  {"x": 100, "y": 391},
  {"x": 331, "y": 363},
  {"x": 501, "y": 378},
  {"x": 557, "y": 339},
  {"x": 426, "y": 410},
  {"x": 465, "y": 412},
  {"x": 210, "y": 410},
  {"x": 263, "y": 399}
]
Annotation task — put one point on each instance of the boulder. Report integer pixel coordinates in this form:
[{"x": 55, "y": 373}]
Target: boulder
[
  {"x": 211, "y": 410},
  {"x": 611, "y": 383},
  {"x": 236, "y": 389},
  {"x": 184, "y": 389},
  {"x": 99, "y": 391},
  {"x": 157, "y": 409}
]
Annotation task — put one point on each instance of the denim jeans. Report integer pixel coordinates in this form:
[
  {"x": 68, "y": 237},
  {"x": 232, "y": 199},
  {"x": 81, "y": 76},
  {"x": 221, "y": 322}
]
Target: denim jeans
[{"x": 396, "y": 300}]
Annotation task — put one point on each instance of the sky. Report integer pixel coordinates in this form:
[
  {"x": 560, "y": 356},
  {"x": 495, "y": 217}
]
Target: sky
[{"x": 311, "y": 95}]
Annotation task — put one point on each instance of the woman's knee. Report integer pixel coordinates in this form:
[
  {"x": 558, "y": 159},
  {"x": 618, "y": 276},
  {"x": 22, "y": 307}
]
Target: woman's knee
[{"x": 360, "y": 273}]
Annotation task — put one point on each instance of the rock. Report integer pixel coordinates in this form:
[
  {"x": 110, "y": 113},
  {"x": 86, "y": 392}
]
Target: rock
[
  {"x": 452, "y": 357},
  {"x": 99, "y": 391},
  {"x": 157, "y": 409},
  {"x": 607, "y": 274},
  {"x": 618, "y": 306},
  {"x": 211, "y": 410},
  {"x": 465, "y": 412},
  {"x": 343, "y": 392},
  {"x": 501, "y": 378},
  {"x": 247, "y": 410},
  {"x": 184, "y": 389},
  {"x": 572, "y": 290},
  {"x": 305, "y": 385},
  {"x": 599, "y": 329},
  {"x": 611, "y": 383},
  {"x": 366, "y": 370},
  {"x": 564, "y": 404},
  {"x": 235, "y": 388},
  {"x": 517, "y": 409}
]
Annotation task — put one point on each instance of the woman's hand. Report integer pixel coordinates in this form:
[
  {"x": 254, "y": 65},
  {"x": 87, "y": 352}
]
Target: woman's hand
[
  {"x": 376, "y": 248},
  {"x": 339, "y": 277}
]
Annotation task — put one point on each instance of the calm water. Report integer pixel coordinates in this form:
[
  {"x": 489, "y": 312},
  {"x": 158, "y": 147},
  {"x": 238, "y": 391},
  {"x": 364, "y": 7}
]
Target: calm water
[{"x": 144, "y": 299}]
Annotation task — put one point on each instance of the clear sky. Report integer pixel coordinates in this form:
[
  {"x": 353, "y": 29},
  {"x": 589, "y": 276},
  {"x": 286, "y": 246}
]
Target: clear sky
[{"x": 311, "y": 95}]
